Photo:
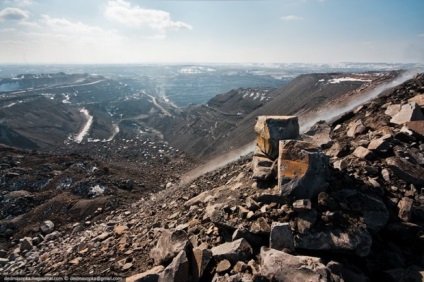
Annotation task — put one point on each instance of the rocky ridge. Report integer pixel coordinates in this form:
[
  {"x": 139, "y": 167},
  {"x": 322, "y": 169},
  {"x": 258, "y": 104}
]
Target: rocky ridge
[{"x": 225, "y": 226}]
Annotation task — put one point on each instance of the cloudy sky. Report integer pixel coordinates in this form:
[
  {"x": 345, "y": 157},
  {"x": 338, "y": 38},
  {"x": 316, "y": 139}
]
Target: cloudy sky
[{"x": 199, "y": 31}]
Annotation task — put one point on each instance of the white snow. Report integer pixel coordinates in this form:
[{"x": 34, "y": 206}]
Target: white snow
[
  {"x": 343, "y": 79},
  {"x": 84, "y": 131}
]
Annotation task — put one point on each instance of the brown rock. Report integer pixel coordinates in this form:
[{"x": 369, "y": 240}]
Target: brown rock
[
  {"x": 201, "y": 258},
  {"x": 416, "y": 126},
  {"x": 405, "y": 209},
  {"x": 363, "y": 153},
  {"x": 223, "y": 266},
  {"x": 233, "y": 251},
  {"x": 147, "y": 276},
  {"x": 408, "y": 112}
]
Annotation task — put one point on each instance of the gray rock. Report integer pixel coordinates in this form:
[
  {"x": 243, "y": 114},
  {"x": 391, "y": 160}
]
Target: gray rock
[
  {"x": 151, "y": 275},
  {"x": 302, "y": 169},
  {"x": 271, "y": 129},
  {"x": 281, "y": 237},
  {"x": 3, "y": 253},
  {"x": 262, "y": 168},
  {"x": 201, "y": 259},
  {"x": 305, "y": 220},
  {"x": 280, "y": 266},
  {"x": 405, "y": 209},
  {"x": 26, "y": 244},
  {"x": 169, "y": 245},
  {"x": 47, "y": 227},
  {"x": 177, "y": 270},
  {"x": 408, "y": 112},
  {"x": 355, "y": 241},
  {"x": 318, "y": 134},
  {"x": 233, "y": 251},
  {"x": 363, "y": 153},
  {"x": 52, "y": 236},
  {"x": 407, "y": 171}
]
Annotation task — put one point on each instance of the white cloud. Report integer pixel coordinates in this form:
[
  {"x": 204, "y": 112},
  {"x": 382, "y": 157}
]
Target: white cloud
[
  {"x": 122, "y": 12},
  {"x": 13, "y": 14},
  {"x": 292, "y": 18},
  {"x": 19, "y": 2}
]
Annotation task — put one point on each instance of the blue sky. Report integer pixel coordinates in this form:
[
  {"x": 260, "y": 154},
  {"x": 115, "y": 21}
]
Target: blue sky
[{"x": 198, "y": 31}]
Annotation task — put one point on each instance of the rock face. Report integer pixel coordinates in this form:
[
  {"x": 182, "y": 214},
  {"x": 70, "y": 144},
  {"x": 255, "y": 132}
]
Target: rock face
[
  {"x": 302, "y": 169},
  {"x": 269, "y": 131}
]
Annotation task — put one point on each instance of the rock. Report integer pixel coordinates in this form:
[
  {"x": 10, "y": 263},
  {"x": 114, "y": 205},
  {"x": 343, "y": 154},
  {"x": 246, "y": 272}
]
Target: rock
[
  {"x": 47, "y": 227},
  {"x": 338, "y": 150},
  {"x": 280, "y": 266},
  {"x": 363, "y": 153},
  {"x": 151, "y": 275},
  {"x": 26, "y": 244},
  {"x": 103, "y": 236},
  {"x": 408, "y": 112},
  {"x": 240, "y": 266},
  {"x": 223, "y": 266},
  {"x": 271, "y": 129},
  {"x": 177, "y": 270},
  {"x": 169, "y": 245},
  {"x": 302, "y": 169},
  {"x": 3, "y": 261},
  {"x": 233, "y": 251},
  {"x": 305, "y": 220},
  {"x": 251, "y": 238},
  {"x": 52, "y": 236},
  {"x": 302, "y": 205},
  {"x": 393, "y": 110},
  {"x": 405, "y": 209},
  {"x": 356, "y": 128},
  {"x": 418, "y": 99},
  {"x": 281, "y": 237},
  {"x": 407, "y": 171},
  {"x": 121, "y": 229},
  {"x": 318, "y": 134},
  {"x": 201, "y": 259},
  {"x": 262, "y": 167},
  {"x": 3, "y": 253},
  {"x": 356, "y": 241},
  {"x": 385, "y": 174},
  {"x": 413, "y": 273},
  {"x": 379, "y": 146},
  {"x": 416, "y": 126},
  {"x": 260, "y": 226}
]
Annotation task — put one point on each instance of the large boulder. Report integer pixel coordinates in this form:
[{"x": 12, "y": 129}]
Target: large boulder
[
  {"x": 271, "y": 129},
  {"x": 281, "y": 236},
  {"x": 151, "y": 275},
  {"x": 169, "y": 245},
  {"x": 407, "y": 171},
  {"x": 177, "y": 270},
  {"x": 353, "y": 241},
  {"x": 233, "y": 251},
  {"x": 280, "y": 266},
  {"x": 408, "y": 112},
  {"x": 302, "y": 169}
]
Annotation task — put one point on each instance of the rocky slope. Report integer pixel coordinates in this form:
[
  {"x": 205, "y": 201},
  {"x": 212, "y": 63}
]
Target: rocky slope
[{"x": 224, "y": 226}]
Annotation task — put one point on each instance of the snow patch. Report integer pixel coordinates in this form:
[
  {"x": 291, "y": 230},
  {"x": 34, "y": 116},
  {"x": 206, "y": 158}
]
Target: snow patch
[
  {"x": 84, "y": 131},
  {"x": 344, "y": 79}
]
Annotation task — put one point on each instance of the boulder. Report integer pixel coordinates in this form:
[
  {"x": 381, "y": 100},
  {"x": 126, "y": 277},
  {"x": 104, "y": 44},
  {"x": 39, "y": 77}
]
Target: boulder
[
  {"x": 262, "y": 167},
  {"x": 302, "y": 169},
  {"x": 47, "y": 227},
  {"x": 416, "y": 126},
  {"x": 177, "y": 270},
  {"x": 281, "y": 237},
  {"x": 407, "y": 171},
  {"x": 151, "y": 275},
  {"x": 380, "y": 146},
  {"x": 280, "y": 266},
  {"x": 363, "y": 153},
  {"x": 169, "y": 245},
  {"x": 260, "y": 226},
  {"x": 405, "y": 209},
  {"x": 318, "y": 134},
  {"x": 233, "y": 251},
  {"x": 419, "y": 99},
  {"x": 408, "y": 112},
  {"x": 26, "y": 244},
  {"x": 393, "y": 110},
  {"x": 201, "y": 259},
  {"x": 356, "y": 128},
  {"x": 271, "y": 129},
  {"x": 353, "y": 241},
  {"x": 223, "y": 266}
]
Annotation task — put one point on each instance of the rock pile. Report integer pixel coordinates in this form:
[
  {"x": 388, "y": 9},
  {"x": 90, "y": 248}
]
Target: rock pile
[{"x": 353, "y": 214}]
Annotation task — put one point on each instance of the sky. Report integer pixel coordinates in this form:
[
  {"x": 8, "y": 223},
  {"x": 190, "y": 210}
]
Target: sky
[{"x": 220, "y": 31}]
